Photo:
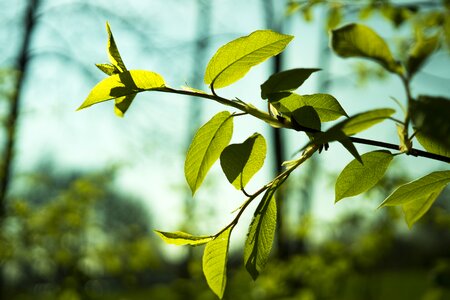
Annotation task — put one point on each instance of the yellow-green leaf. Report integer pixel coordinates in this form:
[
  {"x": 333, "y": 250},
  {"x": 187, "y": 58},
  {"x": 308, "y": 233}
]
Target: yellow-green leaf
[
  {"x": 124, "y": 84},
  {"x": 356, "y": 40},
  {"x": 422, "y": 190},
  {"x": 365, "y": 120},
  {"x": 261, "y": 234},
  {"x": 108, "y": 69},
  {"x": 122, "y": 104},
  {"x": 215, "y": 260},
  {"x": 414, "y": 210},
  {"x": 241, "y": 161},
  {"x": 357, "y": 178},
  {"x": 113, "y": 51},
  {"x": 233, "y": 60},
  {"x": 206, "y": 147},
  {"x": 182, "y": 238}
]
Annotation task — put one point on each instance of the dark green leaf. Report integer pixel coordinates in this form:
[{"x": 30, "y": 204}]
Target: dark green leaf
[
  {"x": 430, "y": 116},
  {"x": 357, "y": 178},
  {"x": 241, "y": 161},
  {"x": 261, "y": 234},
  {"x": 215, "y": 262},
  {"x": 356, "y": 40},
  {"x": 433, "y": 146},
  {"x": 423, "y": 48},
  {"x": 285, "y": 81},
  {"x": 206, "y": 147},
  {"x": 326, "y": 106}
]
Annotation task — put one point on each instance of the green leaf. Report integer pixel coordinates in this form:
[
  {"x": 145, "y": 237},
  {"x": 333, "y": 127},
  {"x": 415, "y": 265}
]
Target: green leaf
[
  {"x": 241, "y": 161},
  {"x": 108, "y": 69},
  {"x": 181, "y": 238},
  {"x": 124, "y": 84},
  {"x": 432, "y": 145},
  {"x": 422, "y": 49},
  {"x": 419, "y": 189},
  {"x": 351, "y": 126},
  {"x": 122, "y": 104},
  {"x": 215, "y": 262},
  {"x": 416, "y": 209},
  {"x": 326, "y": 106},
  {"x": 233, "y": 60},
  {"x": 285, "y": 81},
  {"x": 334, "y": 17},
  {"x": 356, "y": 40},
  {"x": 306, "y": 119},
  {"x": 206, "y": 147},
  {"x": 430, "y": 116},
  {"x": 261, "y": 234},
  {"x": 113, "y": 52},
  {"x": 345, "y": 141},
  {"x": 357, "y": 178},
  {"x": 365, "y": 120}
]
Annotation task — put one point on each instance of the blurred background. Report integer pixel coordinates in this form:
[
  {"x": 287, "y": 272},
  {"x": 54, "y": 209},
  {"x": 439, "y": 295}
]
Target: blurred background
[{"x": 82, "y": 191}]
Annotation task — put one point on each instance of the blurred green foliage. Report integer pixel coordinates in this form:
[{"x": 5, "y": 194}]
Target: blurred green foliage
[
  {"x": 68, "y": 234},
  {"x": 72, "y": 236}
]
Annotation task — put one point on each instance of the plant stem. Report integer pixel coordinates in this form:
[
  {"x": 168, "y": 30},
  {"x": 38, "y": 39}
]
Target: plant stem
[
  {"x": 251, "y": 110},
  {"x": 413, "y": 151},
  {"x": 281, "y": 177}
]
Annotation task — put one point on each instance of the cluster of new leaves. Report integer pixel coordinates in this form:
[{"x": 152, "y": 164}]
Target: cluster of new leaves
[{"x": 240, "y": 162}]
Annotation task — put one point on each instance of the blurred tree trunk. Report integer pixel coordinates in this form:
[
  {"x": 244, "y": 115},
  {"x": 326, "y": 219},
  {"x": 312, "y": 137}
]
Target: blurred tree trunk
[
  {"x": 273, "y": 21},
  {"x": 203, "y": 20},
  {"x": 13, "y": 114}
]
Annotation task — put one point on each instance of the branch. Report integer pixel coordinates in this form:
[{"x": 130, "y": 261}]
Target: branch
[
  {"x": 413, "y": 151},
  {"x": 251, "y": 110}
]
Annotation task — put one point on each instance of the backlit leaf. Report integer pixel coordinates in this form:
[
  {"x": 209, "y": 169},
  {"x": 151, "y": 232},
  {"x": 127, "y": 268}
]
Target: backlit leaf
[
  {"x": 430, "y": 116},
  {"x": 414, "y": 210},
  {"x": 241, "y": 161},
  {"x": 108, "y": 69},
  {"x": 124, "y": 84},
  {"x": 285, "y": 81},
  {"x": 326, "y": 106},
  {"x": 418, "y": 190},
  {"x": 432, "y": 145},
  {"x": 261, "y": 234},
  {"x": 357, "y": 178},
  {"x": 113, "y": 52},
  {"x": 182, "y": 238},
  {"x": 215, "y": 262},
  {"x": 365, "y": 120},
  {"x": 122, "y": 104},
  {"x": 206, "y": 147},
  {"x": 233, "y": 60},
  {"x": 422, "y": 49},
  {"x": 356, "y": 40}
]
